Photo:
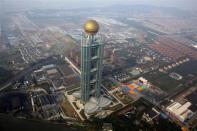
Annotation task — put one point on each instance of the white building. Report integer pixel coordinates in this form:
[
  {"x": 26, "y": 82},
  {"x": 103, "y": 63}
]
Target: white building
[{"x": 181, "y": 112}]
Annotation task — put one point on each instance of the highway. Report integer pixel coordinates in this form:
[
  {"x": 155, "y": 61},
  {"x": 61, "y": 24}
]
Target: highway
[{"x": 70, "y": 62}]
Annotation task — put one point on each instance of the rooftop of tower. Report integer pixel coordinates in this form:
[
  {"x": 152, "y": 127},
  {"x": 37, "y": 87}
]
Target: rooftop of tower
[{"x": 91, "y": 27}]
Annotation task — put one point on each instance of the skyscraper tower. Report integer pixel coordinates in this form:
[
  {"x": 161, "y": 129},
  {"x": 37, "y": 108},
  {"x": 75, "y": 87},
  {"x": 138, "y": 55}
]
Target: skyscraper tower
[{"x": 91, "y": 62}]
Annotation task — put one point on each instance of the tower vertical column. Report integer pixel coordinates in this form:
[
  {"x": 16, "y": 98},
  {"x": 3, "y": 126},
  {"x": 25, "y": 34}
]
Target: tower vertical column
[{"x": 91, "y": 62}]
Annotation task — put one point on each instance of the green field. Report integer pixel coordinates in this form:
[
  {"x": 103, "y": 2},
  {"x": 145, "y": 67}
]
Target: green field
[
  {"x": 168, "y": 84},
  {"x": 187, "y": 68},
  {"x": 163, "y": 81},
  {"x": 4, "y": 75}
]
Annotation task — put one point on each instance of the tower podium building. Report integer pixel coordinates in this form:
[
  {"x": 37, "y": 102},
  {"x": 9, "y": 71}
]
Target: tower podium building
[{"x": 91, "y": 62}]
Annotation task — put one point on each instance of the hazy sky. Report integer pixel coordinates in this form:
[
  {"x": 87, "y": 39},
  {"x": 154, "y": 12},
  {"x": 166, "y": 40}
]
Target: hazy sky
[{"x": 27, "y": 4}]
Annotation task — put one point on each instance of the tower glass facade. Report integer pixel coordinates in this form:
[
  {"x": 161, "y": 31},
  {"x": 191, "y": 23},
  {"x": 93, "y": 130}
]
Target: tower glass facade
[{"x": 91, "y": 66}]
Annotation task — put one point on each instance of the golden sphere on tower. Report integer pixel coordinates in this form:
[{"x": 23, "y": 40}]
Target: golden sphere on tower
[{"x": 91, "y": 27}]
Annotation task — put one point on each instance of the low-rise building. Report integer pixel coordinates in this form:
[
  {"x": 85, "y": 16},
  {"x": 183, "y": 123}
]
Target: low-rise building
[{"x": 180, "y": 111}]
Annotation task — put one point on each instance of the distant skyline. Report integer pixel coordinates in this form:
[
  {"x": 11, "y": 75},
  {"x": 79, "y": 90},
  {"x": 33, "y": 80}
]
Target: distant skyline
[{"x": 72, "y": 4}]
